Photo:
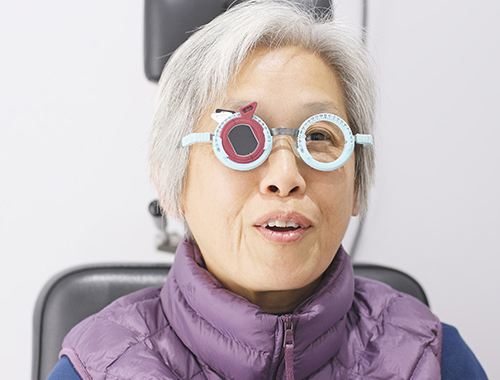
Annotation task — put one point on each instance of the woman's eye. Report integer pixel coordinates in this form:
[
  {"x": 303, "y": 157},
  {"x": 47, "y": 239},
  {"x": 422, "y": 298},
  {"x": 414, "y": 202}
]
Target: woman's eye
[
  {"x": 318, "y": 136},
  {"x": 324, "y": 142}
]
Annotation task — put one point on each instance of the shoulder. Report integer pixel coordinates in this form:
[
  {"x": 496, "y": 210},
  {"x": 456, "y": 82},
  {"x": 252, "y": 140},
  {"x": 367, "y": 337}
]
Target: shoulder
[
  {"x": 458, "y": 361},
  {"x": 396, "y": 329},
  {"x": 124, "y": 331},
  {"x": 134, "y": 315},
  {"x": 377, "y": 301}
]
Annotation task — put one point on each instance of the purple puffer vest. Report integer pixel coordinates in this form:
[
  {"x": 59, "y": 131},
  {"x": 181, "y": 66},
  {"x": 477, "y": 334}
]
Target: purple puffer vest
[{"x": 193, "y": 328}]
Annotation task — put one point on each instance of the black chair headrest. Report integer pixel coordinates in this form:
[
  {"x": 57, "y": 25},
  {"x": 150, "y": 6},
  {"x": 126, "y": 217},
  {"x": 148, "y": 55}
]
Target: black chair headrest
[{"x": 168, "y": 23}]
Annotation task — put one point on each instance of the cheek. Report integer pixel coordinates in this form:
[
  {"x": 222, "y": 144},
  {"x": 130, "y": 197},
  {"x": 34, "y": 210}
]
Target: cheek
[
  {"x": 336, "y": 196},
  {"x": 338, "y": 187},
  {"x": 214, "y": 191}
]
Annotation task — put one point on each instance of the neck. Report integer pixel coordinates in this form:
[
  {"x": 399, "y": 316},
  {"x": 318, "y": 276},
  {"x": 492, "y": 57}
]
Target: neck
[{"x": 279, "y": 301}]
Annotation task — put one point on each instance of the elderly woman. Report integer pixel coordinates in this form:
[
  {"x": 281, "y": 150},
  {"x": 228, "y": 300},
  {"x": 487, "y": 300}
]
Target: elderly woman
[{"x": 261, "y": 142}]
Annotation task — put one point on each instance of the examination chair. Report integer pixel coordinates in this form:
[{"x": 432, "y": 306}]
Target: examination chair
[{"x": 73, "y": 295}]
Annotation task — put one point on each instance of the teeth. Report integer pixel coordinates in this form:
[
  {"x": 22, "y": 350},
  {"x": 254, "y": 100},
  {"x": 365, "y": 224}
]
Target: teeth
[{"x": 281, "y": 224}]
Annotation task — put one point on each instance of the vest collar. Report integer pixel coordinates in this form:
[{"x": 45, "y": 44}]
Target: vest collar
[{"x": 236, "y": 338}]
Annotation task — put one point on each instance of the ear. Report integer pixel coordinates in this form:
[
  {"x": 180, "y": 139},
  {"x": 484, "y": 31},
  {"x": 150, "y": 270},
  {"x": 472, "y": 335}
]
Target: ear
[
  {"x": 166, "y": 208},
  {"x": 171, "y": 210},
  {"x": 355, "y": 210}
]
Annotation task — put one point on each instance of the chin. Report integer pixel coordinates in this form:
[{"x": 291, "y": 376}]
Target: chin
[{"x": 277, "y": 281}]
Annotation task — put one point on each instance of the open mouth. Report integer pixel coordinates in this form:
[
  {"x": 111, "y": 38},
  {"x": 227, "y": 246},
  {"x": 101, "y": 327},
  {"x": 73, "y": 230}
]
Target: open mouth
[{"x": 281, "y": 226}]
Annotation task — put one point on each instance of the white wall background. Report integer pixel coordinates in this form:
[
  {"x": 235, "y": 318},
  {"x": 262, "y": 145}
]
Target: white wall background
[
  {"x": 435, "y": 207},
  {"x": 74, "y": 113}
]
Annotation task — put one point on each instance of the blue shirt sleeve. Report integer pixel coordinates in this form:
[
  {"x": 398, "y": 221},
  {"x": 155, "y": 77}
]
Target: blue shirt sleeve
[
  {"x": 64, "y": 370},
  {"x": 458, "y": 362}
]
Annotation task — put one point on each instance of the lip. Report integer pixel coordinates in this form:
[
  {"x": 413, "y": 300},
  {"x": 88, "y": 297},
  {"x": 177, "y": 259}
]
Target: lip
[{"x": 287, "y": 236}]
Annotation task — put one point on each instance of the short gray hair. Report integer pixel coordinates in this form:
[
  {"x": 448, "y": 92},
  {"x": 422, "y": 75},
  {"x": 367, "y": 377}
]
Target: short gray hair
[{"x": 200, "y": 70}]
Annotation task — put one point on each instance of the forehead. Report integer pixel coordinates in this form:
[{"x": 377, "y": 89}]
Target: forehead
[{"x": 287, "y": 78}]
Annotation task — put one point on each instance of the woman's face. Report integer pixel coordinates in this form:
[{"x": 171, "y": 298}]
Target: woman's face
[{"x": 228, "y": 210}]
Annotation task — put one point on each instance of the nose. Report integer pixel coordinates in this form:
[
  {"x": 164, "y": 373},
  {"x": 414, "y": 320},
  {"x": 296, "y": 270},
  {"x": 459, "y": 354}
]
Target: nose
[{"x": 282, "y": 173}]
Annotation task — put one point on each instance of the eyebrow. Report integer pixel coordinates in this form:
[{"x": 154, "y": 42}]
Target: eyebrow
[
  {"x": 319, "y": 107},
  {"x": 311, "y": 107},
  {"x": 235, "y": 105}
]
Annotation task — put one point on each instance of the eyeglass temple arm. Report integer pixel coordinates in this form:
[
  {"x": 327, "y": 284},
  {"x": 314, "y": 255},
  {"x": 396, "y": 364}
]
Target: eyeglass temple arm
[
  {"x": 195, "y": 138},
  {"x": 365, "y": 140}
]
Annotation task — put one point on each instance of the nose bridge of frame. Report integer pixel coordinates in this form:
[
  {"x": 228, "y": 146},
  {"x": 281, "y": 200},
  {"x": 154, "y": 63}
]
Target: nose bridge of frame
[{"x": 288, "y": 134}]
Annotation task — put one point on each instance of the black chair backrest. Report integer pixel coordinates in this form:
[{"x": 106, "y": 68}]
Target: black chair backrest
[
  {"x": 75, "y": 294},
  {"x": 168, "y": 23}
]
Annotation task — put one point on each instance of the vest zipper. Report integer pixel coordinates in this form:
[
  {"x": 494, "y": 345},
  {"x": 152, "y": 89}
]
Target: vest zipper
[{"x": 288, "y": 345}]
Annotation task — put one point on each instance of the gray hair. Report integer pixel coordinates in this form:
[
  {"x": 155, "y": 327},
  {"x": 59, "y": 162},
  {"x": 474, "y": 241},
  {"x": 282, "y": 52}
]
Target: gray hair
[{"x": 200, "y": 70}]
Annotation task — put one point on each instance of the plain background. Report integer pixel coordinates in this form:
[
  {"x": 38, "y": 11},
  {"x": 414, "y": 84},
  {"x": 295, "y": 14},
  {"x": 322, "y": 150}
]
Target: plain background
[{"x": 74, "y": 113}]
